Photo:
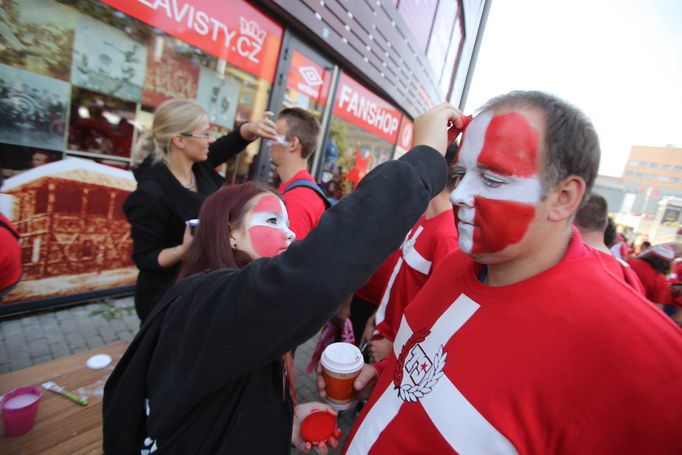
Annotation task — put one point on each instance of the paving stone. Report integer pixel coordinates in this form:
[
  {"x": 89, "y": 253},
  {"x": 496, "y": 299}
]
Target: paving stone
[
  {"x": 38, "y": 348},
  {"x": 5, "y": 368},
  {"x": 16, "y": 343},
  {"x": 75, "y": 340},
  {"x": 33, "y": 332},
  {"x": 68, "y": 325},
  {"x": 19, "y": 360},
  {"x": 41, "y": 359},
  {"x": 94, "y": 341},
  {"x": 4, "y": 355},
  {"x": 60, "y": 350},
  {"x": 12, "y": 327},
  {"x": 125, "y": 335},
  {"x": 29, "y": 320}
]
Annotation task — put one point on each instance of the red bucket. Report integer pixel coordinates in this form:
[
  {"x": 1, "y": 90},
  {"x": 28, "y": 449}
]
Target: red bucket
[{"x": 19, "y": 410}]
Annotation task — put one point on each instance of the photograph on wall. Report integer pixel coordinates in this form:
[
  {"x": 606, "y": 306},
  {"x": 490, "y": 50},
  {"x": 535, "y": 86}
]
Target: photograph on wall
[
  {"x": 219, "y": 96},
  {"x": 73, "y": 233},
  {"x": 107, "y": 61},
  {"x": 33, "y": 109},
  {"x": 172, "y": 72},
  {"x": 100, "y": 123},
  {"x": 37, "y": 36},
  {"x": 15, "y": 159}
]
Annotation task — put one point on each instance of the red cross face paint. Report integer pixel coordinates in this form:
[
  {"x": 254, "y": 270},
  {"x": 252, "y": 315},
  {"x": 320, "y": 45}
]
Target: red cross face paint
[
  {"x": 497, "y": 182},
  {"x": 268, "y": 227}
]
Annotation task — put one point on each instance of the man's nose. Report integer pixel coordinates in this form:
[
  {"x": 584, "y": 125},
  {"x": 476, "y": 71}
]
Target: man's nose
[{"x": 463, "y": 194}]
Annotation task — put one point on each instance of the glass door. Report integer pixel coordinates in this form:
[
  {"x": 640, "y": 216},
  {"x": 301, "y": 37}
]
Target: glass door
[{"x": 304, "y": 79}]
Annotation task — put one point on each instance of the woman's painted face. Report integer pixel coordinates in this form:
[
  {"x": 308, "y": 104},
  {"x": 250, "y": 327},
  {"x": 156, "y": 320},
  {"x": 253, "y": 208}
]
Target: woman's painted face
[
  {"x": 497, "y": 182},
  {"x": 266, "y": 230}
]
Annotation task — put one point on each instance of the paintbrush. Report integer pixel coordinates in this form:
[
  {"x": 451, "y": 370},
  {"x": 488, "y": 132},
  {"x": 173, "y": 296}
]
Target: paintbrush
[{"x": 59, "y": 390}]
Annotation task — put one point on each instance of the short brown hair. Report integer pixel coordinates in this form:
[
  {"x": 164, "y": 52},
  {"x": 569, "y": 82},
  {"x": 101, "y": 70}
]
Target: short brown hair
[
  {"x": 303, "y": 125},
  {"x": 593, "y": 215},
  {"x": 571, "y": 143}
]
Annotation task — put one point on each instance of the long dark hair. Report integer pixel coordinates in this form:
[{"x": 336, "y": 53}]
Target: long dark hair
[
  {"x": 659, "y": 265},
  {"x": 223, "y": 211}
]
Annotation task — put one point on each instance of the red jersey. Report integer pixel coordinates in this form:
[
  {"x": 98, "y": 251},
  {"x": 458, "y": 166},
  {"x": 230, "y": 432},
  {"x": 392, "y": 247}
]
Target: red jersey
[
  {"x": 655, "y": 284},
  {"x": 374, "y": 289},
  {"x": 10, "y": 255},
  {"x": 425, "y": 246},
  {"x": 304, "y": 206},
  {"x": 539, "y": 366}
]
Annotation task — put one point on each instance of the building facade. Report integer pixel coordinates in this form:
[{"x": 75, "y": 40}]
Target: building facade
[{"x": 82, "y": 78}]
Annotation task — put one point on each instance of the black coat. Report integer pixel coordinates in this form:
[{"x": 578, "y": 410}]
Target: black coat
[
  {"x": 209, "y": 356},
  {"x": 157, "y": 211}
]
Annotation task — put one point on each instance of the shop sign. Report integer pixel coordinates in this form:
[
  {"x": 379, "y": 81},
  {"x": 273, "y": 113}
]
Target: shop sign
[
  {"x": 308, "y": 78},
  {"x": 363, "y": 108},
  {"x": 240, "y": 34}
]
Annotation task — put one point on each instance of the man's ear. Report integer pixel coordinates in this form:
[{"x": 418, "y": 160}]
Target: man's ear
[
  {"x": 566, "y": 198},
  {"x": 295, "y": 143}
]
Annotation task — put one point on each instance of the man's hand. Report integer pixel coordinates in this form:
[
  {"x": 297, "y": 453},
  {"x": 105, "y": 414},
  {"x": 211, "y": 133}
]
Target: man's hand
[
  {"x": 362, "y": 387},
  {"x": 264, "y": 128},
  {"x": 302, "y": 411},
  {"x": 431, "y": 128}
]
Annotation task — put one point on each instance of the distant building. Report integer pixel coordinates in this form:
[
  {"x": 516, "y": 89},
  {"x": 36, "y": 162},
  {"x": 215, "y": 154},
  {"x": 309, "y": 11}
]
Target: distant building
[{"x": 651, "y": 174}]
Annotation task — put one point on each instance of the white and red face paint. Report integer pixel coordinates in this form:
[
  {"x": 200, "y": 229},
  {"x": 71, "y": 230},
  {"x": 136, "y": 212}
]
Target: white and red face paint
[
  {"x": 498, "y": 185},
  {"x": 268, "y": 227}
]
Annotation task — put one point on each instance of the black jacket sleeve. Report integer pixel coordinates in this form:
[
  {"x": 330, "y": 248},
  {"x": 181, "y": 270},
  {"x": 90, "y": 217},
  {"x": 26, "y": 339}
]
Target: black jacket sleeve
[
  {"x": 149, "y": 217},
  {"x": 254, "y": 315},
  {"x": 226, "y": 147}
]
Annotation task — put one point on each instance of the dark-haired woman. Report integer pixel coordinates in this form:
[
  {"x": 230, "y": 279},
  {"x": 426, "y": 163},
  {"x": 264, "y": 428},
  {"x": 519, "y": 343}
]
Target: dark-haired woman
[
  {"x": 209, "y": 364},
  {"x": 651, "y": 267}
]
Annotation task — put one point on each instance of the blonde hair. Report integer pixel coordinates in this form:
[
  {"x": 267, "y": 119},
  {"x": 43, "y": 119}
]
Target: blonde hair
[{"x": 171, "y": 118}]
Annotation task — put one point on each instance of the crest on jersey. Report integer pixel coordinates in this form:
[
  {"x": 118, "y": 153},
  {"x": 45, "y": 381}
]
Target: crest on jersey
[{"x": 417, "y": 371}]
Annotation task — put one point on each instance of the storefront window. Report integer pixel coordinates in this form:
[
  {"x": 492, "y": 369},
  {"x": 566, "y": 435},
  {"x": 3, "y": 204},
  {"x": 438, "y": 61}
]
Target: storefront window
[
  {"x": 84, "y": 77},
  {"x": 363, "y": 133}
]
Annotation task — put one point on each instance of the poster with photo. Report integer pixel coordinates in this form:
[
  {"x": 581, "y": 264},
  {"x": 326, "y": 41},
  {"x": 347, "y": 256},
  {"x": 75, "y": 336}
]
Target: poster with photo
[
  {"x": 32, "y": 109},
  {"x": 219, "y": 96},
  {"x": 37, "y": 36},
  {"x": 101, "y": 124},
  {"x": 169, "y": 74},
  {"x": 15, "y": 159},
  {"x": 73, "y": 233},
  {"x": 107, "y": 61}
]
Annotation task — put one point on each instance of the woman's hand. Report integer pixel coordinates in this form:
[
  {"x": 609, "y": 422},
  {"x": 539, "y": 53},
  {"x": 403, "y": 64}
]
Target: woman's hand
[
  {"x": 431, "y": 128},
  {"x": 302, "y": 411},
  {"x": 264, "y": 128}
]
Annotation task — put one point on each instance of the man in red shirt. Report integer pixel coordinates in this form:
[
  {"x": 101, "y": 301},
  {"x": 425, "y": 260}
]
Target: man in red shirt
[
  {"x": 652, "y": 267},
  {"x": 297, "y": 136},
  {"x": 591, "y": 220},
  {"x": 512, "y": 345}
]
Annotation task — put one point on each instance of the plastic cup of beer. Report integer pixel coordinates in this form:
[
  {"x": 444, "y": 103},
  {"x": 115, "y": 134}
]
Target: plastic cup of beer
[
  {"x": 341, "y": 364},
  {"x": 19, "y": 410}
]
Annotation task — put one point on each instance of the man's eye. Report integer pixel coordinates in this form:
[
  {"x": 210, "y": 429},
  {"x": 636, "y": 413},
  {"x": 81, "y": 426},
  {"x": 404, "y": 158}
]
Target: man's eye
[
  {"x": 491, "y": 182},
  {"x": 455, "y": 177},
  {"x": 271, "y": 220}
]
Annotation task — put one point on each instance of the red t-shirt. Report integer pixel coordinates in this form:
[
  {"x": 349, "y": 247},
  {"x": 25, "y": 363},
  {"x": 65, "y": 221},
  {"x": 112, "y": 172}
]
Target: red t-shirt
[
  {"x": 10, "y": 256},
  {"x": 424, "y": 248},
  {"x": 374, "y": 289},
  {"x": 656, "y": 287},
  {"x": 571, "y": 360},
  {"x": 304, "y": 206}
]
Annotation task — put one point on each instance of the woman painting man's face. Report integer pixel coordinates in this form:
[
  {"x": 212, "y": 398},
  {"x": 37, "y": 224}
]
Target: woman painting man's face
[{"x": 265, "y": 231}]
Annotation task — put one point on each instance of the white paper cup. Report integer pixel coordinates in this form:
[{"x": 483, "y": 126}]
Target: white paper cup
[{"x": 341, "y": 364}]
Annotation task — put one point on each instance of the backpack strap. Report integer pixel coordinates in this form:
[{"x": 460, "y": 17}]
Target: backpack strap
[
  {"x": 302, "y": 183},
  {"x": 11, "y": 231}
]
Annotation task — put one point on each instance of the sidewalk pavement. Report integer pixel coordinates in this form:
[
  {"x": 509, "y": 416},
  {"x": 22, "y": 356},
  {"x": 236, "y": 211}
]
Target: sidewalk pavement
[{"x": 30, "y": 340}]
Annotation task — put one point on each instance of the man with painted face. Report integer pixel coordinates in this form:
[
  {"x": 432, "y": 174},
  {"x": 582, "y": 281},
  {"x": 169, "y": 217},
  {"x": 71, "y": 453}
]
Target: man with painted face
[{"x": 513, "y": 347}]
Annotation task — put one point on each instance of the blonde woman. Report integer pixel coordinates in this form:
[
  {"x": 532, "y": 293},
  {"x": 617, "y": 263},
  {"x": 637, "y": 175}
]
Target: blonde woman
[{"x": 174, "y": 167}]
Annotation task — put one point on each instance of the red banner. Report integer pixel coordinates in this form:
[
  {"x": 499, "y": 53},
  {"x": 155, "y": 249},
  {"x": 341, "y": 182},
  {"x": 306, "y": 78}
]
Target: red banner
[
  {"x": 365, "y": 109},
  {"x": 309, "y": 78},
  {"x": 239, "y": 34}
]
